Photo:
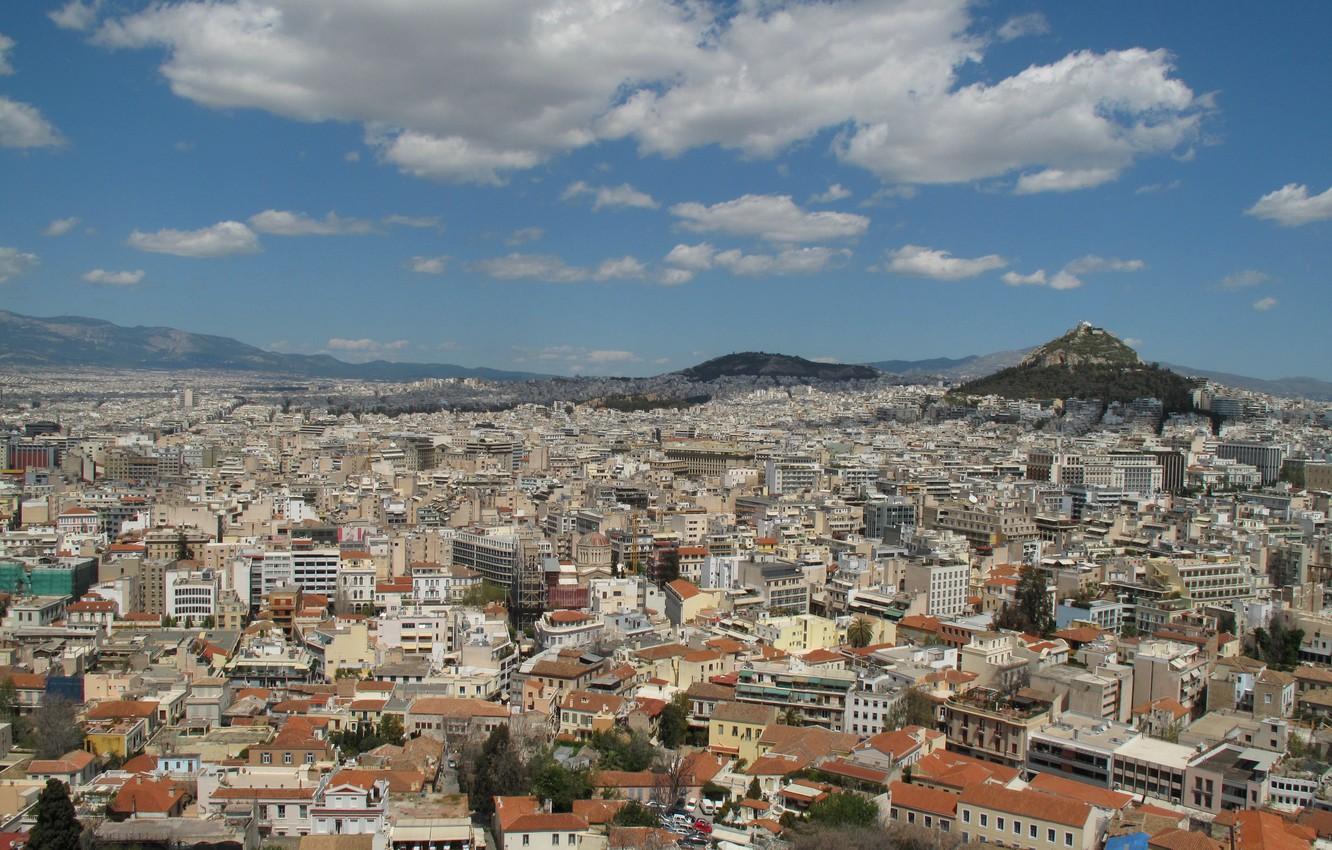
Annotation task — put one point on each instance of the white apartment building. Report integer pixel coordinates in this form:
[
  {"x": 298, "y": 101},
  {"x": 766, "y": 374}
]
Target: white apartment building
[
  {"x": 190, "y": 595},
  {"x": 945, "y": 586}
]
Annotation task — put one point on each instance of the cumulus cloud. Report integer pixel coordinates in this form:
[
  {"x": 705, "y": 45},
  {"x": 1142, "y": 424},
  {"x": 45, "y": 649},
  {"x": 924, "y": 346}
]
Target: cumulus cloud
[
  {"x": 919, "y": 261},
  {"x": 6, "y": 45},
  {"x": 1060, "y": 180},
  {"x": 219, "y": 240},
  {"x": 125, "y": 278},
  {"x": 523, "y": 235},
  {"x": 552, "y": 269},
  {"x": 1069, "y": 277},
  {"x": 428, "y": 265},
  {"x": 1018, "y": 26},
  {"x": 473, "y": 92},
  {"x": 835, "y": 192},
  {"x": 1245, "y": 278},
  {"x": 1292, "y": 205},
  {"x": 14, "y": 262},
  {"x": 776, "y": 218},
  {"x": 674, "y": 276},
  {"x": 1092, "y": 263},
  {"x": 61, "y": 226},
  {"x": 286, "y": 223},
  {"x": 623, "y": 195},
  {"x": 789, "y": 261},
  {"x": 22, "y": 126},
  {"x": 1036, "y": 278},
  {"x": 76, "y": 15},
  {"x": 365, "y": 346},
  {"x": 692, "y": 257},
  {"x": 1262, "y": 305},
  {"x": 418, "y": 222}
]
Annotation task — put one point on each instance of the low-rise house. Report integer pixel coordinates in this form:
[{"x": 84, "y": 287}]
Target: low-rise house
[
  {"x": 520, "y": 824},
  {"x": 73, "y": 768}
]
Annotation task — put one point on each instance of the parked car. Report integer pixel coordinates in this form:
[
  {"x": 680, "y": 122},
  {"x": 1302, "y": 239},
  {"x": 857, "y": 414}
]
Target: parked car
[
  {"x": 691, "y": 804},
  {"x": 703, "y": 826},
  {"x": 706, "y": 806},
  {"x": 682, "y": 820}
]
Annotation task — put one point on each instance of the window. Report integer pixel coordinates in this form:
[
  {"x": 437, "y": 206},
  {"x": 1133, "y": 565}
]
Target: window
[
  {"x": 573, "y": 839},
  {"x": 966, "y": 815},
  {"x": 1050, "y": 835},
  {"x": 265, "y": 758},
  {"x": 1031, "y": 831},
  {"x": 286, "y": 758},
  {"x": 282, "y": 811},
  {"x": 999, "y": 824},
  {"x": 1068, "y": 839},
  {"x": 309, "y": 758},
  {"x": 911, "y": 817},
  {"x": 1017, "y": 827},
  {"x": 555, "y": 839},
  {"x": 984, "y": 819},
  {"x": 527, "y": 839}
]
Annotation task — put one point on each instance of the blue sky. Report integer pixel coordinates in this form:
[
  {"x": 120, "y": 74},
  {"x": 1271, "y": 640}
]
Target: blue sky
[{"x": 630, "y": 187}]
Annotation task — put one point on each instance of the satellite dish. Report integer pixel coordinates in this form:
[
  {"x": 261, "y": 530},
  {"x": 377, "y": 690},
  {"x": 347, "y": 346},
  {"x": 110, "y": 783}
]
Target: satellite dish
[{"x": 972, "y": 498}]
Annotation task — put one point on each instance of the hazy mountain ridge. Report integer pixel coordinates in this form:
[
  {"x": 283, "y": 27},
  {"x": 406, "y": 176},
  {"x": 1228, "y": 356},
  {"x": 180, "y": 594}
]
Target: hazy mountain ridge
[
  {"x": 80, "y": 341},
  {"x": 761, "y": 364}
]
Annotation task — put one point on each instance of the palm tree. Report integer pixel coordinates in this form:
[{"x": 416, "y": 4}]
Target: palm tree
[
  {"x": 860, "y": 632},
  {"x": 790, "y": 716}
]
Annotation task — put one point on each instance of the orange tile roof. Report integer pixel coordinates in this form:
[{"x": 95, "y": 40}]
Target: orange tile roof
[
  {"x": 1092, "y": 795},
  {"x": 1027, "y": 803},
  {"x": 921, "y": 799}
]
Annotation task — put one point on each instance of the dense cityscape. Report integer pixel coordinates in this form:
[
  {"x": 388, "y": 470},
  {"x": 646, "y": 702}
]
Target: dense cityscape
[
  {"x": 665, "y": 425},
  {"x": 234, "y": 617}
]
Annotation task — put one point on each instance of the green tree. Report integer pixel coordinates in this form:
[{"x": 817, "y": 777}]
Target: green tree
[
  {"x": 482, "y": 595},
  {"x": 860, "y": 632},
  {"x": 618, "y": 751},
  {"x": 790, "y": 716},
  {"x": 755, "y": 791},
  {"x": 913, "y": 709},
  {"x": 499, "y": 772},
  {"x": 54, "y": 729},
  {"x": 634, "y": 813},
  {"x": 668, "y": 567},
  {"x": 552, "y": 781},
  {"x": 1031, "y": 610},
  {"x": 844, "y": 809},
  {"x": 390, "y": 730},
  {"x": 674, "y": 723},
  {"x": 57, "y": 826},
  {"x": 8, "y": 700}
]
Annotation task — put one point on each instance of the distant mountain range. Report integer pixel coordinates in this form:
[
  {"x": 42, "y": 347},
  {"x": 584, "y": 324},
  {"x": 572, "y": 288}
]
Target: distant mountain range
[
  {"x": 79, "y": 341},
  {"x": 759, "y": 364},
  {"x": 76, "y": 341}
]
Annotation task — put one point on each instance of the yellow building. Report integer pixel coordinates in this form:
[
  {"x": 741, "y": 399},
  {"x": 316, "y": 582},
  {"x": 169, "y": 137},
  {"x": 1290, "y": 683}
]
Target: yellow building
[
  {"x": 800, "y": 633},
  {"x": 120, "y": 738},
  {"x": 346, "y": 648},
  {"x": 735, "y": 728}
]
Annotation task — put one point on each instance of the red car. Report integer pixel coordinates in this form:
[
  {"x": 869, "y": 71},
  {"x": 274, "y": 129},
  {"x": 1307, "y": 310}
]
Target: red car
[{"x": 703, "y": 826}]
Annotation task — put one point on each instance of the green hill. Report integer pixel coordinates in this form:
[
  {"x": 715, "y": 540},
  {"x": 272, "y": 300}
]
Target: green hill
[
  {"x": 751, "y": 364},
  {"x": 1087, "y": 362}
]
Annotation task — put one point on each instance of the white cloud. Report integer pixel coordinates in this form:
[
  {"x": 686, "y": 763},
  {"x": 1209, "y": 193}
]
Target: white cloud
[
  {"x": 6, "y": 45},
  {"x": 22, "y": 126},
  {"x": 692, "y": 257},
  {"x": 1033, "y": 23},
  {"x": 1262, "y": 305},
  {"x": 428, "y": 265},
  {"x": 835, "y": 192},
  {"x": 219, "y": 240},
  {"x": 1059, "y": 180},
  {"x": 543, "y": 267},
  {"x": 523, "y": 235},
  {"x": 825, "y": 359},
  {"x": 125, "y": 278},
  {"x": 788, "y": 261},
  {"x": 674, "y": 276},
  {"x": 364, "y": 345},
  {"x": 1092, "y": 263},
  {"x": 352, "y": 156},
  {"x": 76, "y": 15},
  {"x": 623, "y": 268},
  {"x": 286, "y": 223},
  {"x": 887, "y": 194},
  {"x": 1244, "y": 278},
  {"x": 1063, "y": 279},
  {"x": 61, "y": 226},
  {"x": 776, "y": 218},
  {"x": 14, "y": 262},
  {"x": 418, "y": 222},
  {"x": 623, "y": 195},
  {"x": 1291, "y": 206},
  {"x": 919, "y": 261},
  {"x": 1154, "y": 188},
  {"x": 1036, "y": 278},
  {"x": 472, "y": 92},
  {"x": 1069, "y": 276}
]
